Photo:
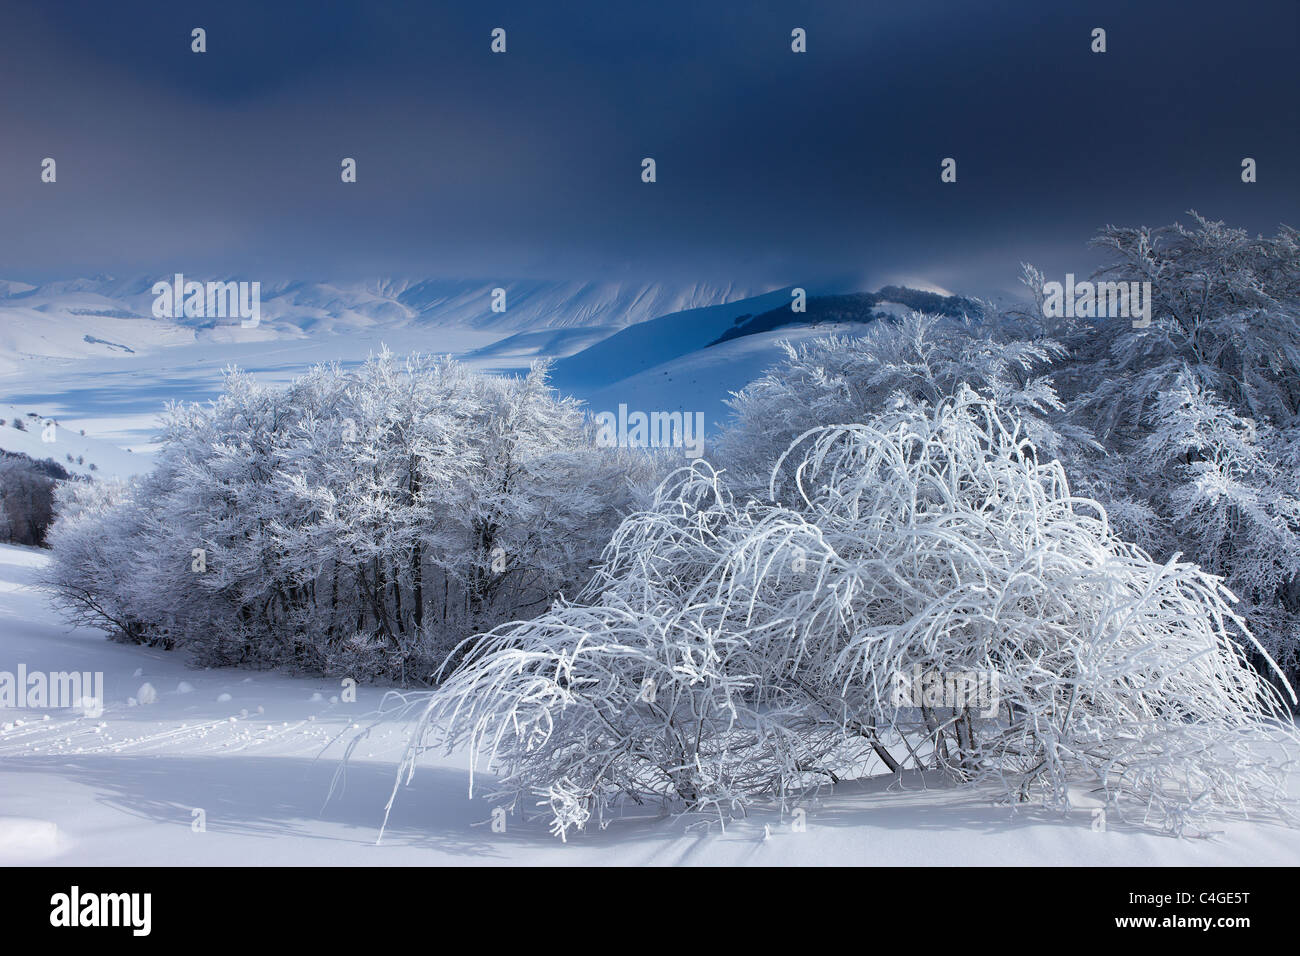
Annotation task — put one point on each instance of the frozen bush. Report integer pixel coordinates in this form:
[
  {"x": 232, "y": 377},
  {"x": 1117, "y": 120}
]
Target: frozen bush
[{"x": 725, "y": 651}]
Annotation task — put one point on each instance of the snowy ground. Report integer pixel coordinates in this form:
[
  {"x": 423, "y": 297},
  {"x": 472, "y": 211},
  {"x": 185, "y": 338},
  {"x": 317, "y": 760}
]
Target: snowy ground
[{"x": 246, "y": 750}]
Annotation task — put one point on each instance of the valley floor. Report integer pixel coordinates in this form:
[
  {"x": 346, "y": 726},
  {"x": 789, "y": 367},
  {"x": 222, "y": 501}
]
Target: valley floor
[{"x": 249, "y": 755}]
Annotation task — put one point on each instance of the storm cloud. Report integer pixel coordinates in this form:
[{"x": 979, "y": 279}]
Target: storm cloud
[{"x": 772, "y": 166}]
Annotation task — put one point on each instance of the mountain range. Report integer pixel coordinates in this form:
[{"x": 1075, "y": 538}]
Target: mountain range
[
  {"x": 104, "y": 315},
  {"x": 90, "y": 353}
]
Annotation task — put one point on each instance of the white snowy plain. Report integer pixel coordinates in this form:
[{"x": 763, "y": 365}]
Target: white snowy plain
[{"x": 249, "y": 750}]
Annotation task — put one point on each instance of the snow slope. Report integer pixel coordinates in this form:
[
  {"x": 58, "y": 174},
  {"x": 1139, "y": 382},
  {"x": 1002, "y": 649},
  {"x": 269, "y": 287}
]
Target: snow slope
[
  {"x": 701, "y": 381},
  {"x": 611, "y": 342},
  {"x": 647, "y": 344},
  {"x": 119, "y": 399},
  {"x": 37, "y": 441},
  {"x": 80, "y": 326},
  {"x": 90, "y": 353},
  {"x": 249, "y": 752},
  {"x": 692, "y": 361},
  {"x": 106, "y": 317}
]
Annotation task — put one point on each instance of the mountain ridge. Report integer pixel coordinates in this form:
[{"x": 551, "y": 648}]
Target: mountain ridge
[{"x": 96, "y": 316}]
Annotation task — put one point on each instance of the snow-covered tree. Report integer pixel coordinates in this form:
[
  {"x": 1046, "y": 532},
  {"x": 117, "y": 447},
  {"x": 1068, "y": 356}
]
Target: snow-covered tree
[
  {"x": 95, "y": 543},
  {"x": 729, "y": 650},
  {"x": 841, "y": 380},
  {"x": 27, "y": 490},
  {"x": 1224, "y": 305},
  {"x": 356, "y": 522},
  {"x": 1197, "y": 413}
]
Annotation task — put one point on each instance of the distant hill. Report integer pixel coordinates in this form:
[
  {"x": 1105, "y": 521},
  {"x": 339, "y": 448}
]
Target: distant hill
[
  {"x": 691, "y": 361},
  {"x": 72, "y": 452},
  {"x": 103, "y": 316},
  {"x": 856, "y": 307},
  {"x": 647, "y": 344}
]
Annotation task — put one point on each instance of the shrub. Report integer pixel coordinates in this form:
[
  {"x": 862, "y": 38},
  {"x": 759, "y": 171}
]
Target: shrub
[
  {"x": 355, "y": 523},
  {"x": 772, "y": 637}
]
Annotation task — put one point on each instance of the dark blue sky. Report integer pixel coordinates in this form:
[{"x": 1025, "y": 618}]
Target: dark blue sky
[{"x": 773, "y": 167}]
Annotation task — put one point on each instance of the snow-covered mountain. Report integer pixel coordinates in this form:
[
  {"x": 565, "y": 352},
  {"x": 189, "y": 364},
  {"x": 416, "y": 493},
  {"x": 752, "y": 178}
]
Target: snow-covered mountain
[
  {"x": 692, "y": 361},
  {"x": 648, "y": 344},
  {"x": 105, "y": 316},
  {"x": 90, "y": 353}
]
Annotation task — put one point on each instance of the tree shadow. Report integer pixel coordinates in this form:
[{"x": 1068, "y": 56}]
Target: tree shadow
[
  {"x": 289, "y": 798},
  {"x": 285, "y": 798}
]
